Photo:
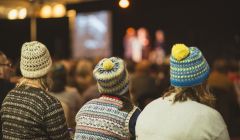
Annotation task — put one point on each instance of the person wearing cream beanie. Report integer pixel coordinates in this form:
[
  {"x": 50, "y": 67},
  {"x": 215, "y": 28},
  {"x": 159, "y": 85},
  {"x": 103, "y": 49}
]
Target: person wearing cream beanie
[
  {"x": 184, "y": 112},
  {"x": 28, "y": 111},
  {"x": 112, "y": 116}
]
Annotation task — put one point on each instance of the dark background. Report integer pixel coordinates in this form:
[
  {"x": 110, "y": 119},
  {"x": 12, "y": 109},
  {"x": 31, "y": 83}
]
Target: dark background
[{"x": 211, "y": 25}]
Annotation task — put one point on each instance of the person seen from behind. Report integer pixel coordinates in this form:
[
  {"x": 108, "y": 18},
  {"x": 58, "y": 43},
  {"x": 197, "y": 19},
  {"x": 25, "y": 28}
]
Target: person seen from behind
[
  {"x": 28, "y": 111},
  {"x": 186, "y": 111},
  {"x": 112, "y": 116}
]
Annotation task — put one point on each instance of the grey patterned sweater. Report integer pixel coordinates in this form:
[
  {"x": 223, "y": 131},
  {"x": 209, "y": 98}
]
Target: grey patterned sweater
[{"x": 31, "y": 113}]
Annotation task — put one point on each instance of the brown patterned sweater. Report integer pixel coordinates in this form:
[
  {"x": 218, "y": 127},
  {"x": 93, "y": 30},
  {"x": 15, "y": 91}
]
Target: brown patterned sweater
[{"x": 31, "y": 113}]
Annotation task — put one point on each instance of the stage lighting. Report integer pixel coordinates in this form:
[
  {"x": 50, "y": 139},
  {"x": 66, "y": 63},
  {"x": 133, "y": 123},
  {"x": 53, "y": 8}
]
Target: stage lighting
[
  {"x": 59, "y": 10},
  {"x": 46, "y": 11},
  {"x": 22, "y": 13},
  {"x": 124, "y": 3},
  {"x": 13, "y": 14}
]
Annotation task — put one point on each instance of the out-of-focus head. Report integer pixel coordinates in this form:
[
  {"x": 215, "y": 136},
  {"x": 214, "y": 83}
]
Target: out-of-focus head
[
  {"x": 111, "y": 76},
  {"x": 142, "y": 32},
  {"x": 83, "y": 75},
  {"x": 4, "y": 66},
  {"x": 220, "y": 65},
  {"x": 35, "y": 60},
  {"x": 58, "y": 74},
  {"x": 143, "y": 67},
  {"x": 160, "y": 37},
  {"x": 188, "y": 67},
  {"x": 130, "y": 31}
]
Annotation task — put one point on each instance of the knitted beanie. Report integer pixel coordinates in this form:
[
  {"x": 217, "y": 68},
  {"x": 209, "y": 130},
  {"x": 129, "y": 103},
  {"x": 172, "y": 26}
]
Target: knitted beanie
[
  {"x": 188, "y": 67},
  {"x": 111, "y": 76},
  {"x": 35, "y": 60}
]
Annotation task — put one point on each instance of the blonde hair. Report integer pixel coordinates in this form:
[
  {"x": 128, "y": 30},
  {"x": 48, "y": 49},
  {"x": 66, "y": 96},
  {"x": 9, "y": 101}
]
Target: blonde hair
[
  {"x": 198, "y": 93},
  {"x": 41, "y": 82}
]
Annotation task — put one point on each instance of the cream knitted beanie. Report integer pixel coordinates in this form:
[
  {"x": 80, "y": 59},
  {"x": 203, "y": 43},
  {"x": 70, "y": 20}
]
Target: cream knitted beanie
[{"x": 35, "y": 60}]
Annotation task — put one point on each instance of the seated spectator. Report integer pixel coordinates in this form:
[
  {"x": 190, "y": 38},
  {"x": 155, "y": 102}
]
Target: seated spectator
[
  {"x": 84, "y": 82},
  {"x": 226, "y": 98},
  {"x": 185, "y": 112},
  {"x": 28, "y": 111},
  {"x": 142, "y": 83},
  {"x": 5, "y": 84},
  {"x": 68, "y": 96},
  {"x": 112, "y": 116}
]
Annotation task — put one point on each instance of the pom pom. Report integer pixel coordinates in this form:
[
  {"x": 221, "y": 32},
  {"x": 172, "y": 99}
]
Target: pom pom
[
  {"x": 107, "y": 64},
  {"x": 180, "y": 51}
]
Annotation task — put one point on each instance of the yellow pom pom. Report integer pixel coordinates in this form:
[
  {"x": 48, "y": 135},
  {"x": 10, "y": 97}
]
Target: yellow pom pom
[
  {"x": 180, "y": 51},
  {"x": 107, "y": 64}
]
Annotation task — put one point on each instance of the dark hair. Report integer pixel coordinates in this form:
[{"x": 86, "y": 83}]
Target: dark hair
[
  {"x": 198, "y": 93},
  {"x": 58, "y": 75}
]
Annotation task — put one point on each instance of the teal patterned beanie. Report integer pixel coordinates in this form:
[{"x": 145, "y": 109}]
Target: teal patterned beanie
[{"x": 188, "y": 67}]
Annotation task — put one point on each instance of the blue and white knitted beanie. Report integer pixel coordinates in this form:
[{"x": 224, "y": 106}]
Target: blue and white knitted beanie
[
  {"x": 188, "y": 67},
  {"x": 112, "y": 76}
]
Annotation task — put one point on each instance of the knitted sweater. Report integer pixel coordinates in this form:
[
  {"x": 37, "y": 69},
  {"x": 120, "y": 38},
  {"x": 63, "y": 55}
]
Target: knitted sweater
[
  {"x": 102, "y": 119},
  {"x": 30, "y": 113},
  {"x": 164, "y": 120}
]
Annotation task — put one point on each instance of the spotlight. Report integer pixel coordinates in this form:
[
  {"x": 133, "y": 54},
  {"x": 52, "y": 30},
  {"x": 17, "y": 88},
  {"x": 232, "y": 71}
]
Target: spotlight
[
  {"x": 46, "y": 11},
  {"x": 12, "y": 14},
  {"x": 59, "y": 10},
  {"x": 22, "y": 13},
  {"x": 124, "y": 3}
]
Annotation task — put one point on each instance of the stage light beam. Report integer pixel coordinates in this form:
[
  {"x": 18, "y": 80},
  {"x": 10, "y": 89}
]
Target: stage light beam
[{"x": 124, "y": 3}]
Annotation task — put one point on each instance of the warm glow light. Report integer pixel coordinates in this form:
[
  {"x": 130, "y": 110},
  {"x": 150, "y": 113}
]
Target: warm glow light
[
  {"x": 71, "y": 13},
  {"x": 124, "y": 3},
  {"x": 59, "y": 10},
  {"x": 12, "y": 14},
  {"x": 22, "y": 13},
  {"x": 46, "y": 11}
]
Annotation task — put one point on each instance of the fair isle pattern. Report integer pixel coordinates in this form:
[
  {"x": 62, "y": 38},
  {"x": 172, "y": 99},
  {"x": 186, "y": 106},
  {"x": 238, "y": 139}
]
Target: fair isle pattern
[
  {"x": 114, "y": 81},
  {"x": 35, "y": 60},
  {"x": 101, "y": 119},
  {"x": 192, "y": 70},
  {"x": 30, "y": 113}
]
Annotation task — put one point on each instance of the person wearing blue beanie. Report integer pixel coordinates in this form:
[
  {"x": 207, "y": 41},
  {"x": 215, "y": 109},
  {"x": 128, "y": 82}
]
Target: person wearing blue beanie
[{"x": 186, "y": 111}]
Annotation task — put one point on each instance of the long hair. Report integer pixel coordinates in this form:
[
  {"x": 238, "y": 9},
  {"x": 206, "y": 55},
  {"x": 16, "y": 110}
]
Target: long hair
[
  {"x": 42, "y": 82},
  {"x": 199, "y": 93}
]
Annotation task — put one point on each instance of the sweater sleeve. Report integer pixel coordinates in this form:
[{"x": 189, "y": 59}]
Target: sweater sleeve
[{"x": 55, "y": 123}]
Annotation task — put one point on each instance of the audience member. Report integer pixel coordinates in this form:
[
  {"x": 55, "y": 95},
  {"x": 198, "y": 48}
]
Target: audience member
[
  {"x": 5, "y": 84},
  {"x": 185, "y": 112},
  {"x": 142, "y": 83},
  {"x": 68, "y": 96},
  {"x": 112, "y": 116},
  {"x": 28, "y": 111}
]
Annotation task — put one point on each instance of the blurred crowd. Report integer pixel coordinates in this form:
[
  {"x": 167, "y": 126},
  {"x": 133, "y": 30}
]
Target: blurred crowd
[{"x": 72, "y": 81}]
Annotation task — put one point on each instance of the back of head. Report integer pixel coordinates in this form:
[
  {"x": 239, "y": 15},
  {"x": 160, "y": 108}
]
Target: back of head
[
  {"x": 58, "y": 74},
  {"x": 143, "y": 67},
  {"x": 220, "y": 65},
  {"x": 35, "y": 60},
  {"x": 4, "y": 64},
  {"x": 188, "y": 72},
  {"x": 111, "y": 76},
  {"x": 83, "y": 75},
  {"x": 35, "y": 63}
]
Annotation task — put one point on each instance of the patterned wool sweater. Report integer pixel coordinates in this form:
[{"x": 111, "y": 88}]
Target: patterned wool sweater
[
  {"x": 102, "y": 119},
  {"x": 31, "y": 113}
]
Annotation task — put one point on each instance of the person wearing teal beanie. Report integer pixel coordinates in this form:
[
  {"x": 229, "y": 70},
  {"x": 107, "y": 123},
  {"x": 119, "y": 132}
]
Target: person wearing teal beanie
[
  {"x": 111, "y": 116},
  {"x": 186, "y": 111}
]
